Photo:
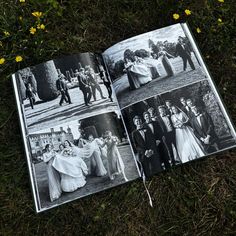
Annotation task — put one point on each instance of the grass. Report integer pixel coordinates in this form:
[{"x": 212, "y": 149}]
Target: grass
[{"x": 196, "y": 199}]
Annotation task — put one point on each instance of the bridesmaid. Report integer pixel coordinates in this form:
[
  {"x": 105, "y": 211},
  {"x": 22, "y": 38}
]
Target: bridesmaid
[
  {"x": 53, "y": 176},
  {"x": 164, "y": 55},
  {"x": 115, "y": 162}
]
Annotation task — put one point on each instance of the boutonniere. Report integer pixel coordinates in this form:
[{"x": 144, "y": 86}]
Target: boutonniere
[{"x": 144, "y": 130}]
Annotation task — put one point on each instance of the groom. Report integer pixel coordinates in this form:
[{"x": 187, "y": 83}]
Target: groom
[
  {"x": 204, "y": 129},
  {"x": 184, "y": 52},
  {"x": 145, "y": 144}
]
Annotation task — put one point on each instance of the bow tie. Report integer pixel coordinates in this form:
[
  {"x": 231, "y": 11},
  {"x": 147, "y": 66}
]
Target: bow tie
[{"x": 198, "y": 115}]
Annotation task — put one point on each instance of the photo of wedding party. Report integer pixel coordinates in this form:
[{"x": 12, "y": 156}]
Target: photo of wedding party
[
  {"x": 60, "y": 89},
  {"x": 81, "y": 157},
  {"x": 177, "y": 127},
  {"x": 152, "y": 63}
]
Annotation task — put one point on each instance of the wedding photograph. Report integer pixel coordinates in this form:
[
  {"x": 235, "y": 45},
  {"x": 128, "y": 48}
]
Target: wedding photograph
[
  {"x": 81, "y": 157},
  {"x": 177, "y": 127},
  {"x": 60, "y": 89},
  {"x": 152, "y": 63}
]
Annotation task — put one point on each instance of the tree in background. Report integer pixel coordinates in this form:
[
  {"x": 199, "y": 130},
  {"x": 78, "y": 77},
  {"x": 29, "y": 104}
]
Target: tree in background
[{"x": 46, "y": 76}]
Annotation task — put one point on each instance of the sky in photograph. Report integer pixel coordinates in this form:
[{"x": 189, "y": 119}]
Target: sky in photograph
[{"x": 170, "y": 33}]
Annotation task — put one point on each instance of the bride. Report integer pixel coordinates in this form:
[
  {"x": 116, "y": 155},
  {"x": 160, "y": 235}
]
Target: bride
[
  {"x": 188, "y": 146},
  {"x": 53, "y": 176},
  {"x": 70, "y": 165}
]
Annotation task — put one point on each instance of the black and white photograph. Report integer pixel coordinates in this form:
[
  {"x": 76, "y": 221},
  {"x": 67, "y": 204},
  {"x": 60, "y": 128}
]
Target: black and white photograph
[
  {"x": 152, "y": 63},
  {"x": 55, "y": 91},
  {"x": 81, "y": 157},
  {"x": 177, "y": 127}
]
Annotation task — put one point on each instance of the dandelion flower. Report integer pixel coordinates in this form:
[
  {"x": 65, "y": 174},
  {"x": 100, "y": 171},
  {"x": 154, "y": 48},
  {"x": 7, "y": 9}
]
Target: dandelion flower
[
  {"x": 18, "y": 59},
  {"x": 198, "y": 30},
  {"x": 221, "y": 1},
  {"x": 187, "y": 12},
  {"x": 42, "y": 26},
  {"x": 37, "y": 14},
  {"x": 21, "y": 0},
  {"x": 2, "y": 61},
  {"x": 176, "y": 16},
  {"x": 32, "y": 30},
  {"x": 6, "y": 33}
]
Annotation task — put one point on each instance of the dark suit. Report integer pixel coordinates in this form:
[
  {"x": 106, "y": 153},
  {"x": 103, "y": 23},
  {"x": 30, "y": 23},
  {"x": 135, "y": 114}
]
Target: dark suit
[
  {"x": 107, "y": 83},
  {"x": 63, "y": 88},
  {"x": 184, "y": 52},
  {"x": 151, "y": 165},
  {"x": 206, "y": 128},
  {"x": 169, "y": 137},
  {"x": 30, "y": 94},
  {"x": 93, "y": 81},
  {"x": 161, "y": 148},
  {"x": 84, "y": 87}
]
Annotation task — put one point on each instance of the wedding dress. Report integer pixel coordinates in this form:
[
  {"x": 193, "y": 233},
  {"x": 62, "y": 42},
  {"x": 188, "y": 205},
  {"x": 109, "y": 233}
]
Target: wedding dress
[
  {"x": 163, "y": 55},
  {"x": 188, "y": 146},
  {"x": 72, "y": 168}
]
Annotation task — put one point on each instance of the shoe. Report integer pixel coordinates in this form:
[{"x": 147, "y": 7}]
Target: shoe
[{"x": 103, "y": 97}]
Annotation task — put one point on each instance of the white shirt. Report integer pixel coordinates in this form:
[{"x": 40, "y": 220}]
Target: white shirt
[
  {"x": 150, "y": 125},
  {"x": 167, "y": 123},
  {"x": 199, "y": 120}
]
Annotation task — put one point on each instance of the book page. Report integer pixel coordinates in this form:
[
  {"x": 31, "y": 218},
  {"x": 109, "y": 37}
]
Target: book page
[
  {"x": 73, "y": 133},
  {"x": 172, "y": 111}
]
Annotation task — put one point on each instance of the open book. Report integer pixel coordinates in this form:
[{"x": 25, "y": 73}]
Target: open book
[{"x": 94, "y": 121}]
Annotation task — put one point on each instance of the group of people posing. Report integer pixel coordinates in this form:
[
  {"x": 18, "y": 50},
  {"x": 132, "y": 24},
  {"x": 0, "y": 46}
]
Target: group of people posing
[
  {"x": 67, "y": 168},
  {"x": 141, "y": 71},
  {"x": 88, "y": 82},
  {"x": 175, "y": 135}
]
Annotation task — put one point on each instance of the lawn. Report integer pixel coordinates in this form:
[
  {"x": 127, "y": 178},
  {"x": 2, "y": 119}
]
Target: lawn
[{"x": 195, "y": 199}]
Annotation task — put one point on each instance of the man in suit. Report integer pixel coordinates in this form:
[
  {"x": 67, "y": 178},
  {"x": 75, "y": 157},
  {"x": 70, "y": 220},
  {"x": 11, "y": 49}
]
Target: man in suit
[
  {"x": 30, "y": 94},
  {"x": 168, "y": 107},
  {"x": 168, "y": 131},
  {"x": 204, "y": 129},
  {"x": 190, "y": 104},
  {"x": 107, "y": 83},
  {"x": 158, "y": 134},
  {"x": 61, "y": 85},
  {"x": 184, "y": 52},
  {"x": 185, "y": 108},
  {"x": 84, "y": 86},
  {"x": 145, "y": 144},
  {"x": 93, "y": 81}
]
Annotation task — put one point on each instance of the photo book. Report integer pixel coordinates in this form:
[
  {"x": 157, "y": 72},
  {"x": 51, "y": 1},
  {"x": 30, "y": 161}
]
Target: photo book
[{"x": 94, "y": 121}]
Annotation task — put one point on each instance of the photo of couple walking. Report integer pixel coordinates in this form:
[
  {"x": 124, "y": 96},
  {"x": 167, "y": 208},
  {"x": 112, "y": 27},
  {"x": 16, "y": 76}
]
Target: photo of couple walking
[
  {"x": 81, "y": 159},
  {"x": 152, "y": 63},
  {"x": 170, "y": 129}
]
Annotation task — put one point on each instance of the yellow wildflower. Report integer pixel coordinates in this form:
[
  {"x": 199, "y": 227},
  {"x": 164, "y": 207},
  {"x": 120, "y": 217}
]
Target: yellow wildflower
[
  {"x": 176, "y": 16},
  {"x": 19, "y": 58},
  {"x": 219, "y": 20},
  {"x": 198, "y": 30},
  {"x": 187, "y": 12},
  {"x": 37, "y": 14},
  {"x": 2, "y": 61},
  {"x": 42, "y": 26},
  {"x": 32, "y": 30},
  {"x": 21, "y": 0},
  {"x": 221, "y": 0},
  {"x": 6, "y": 33}
]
